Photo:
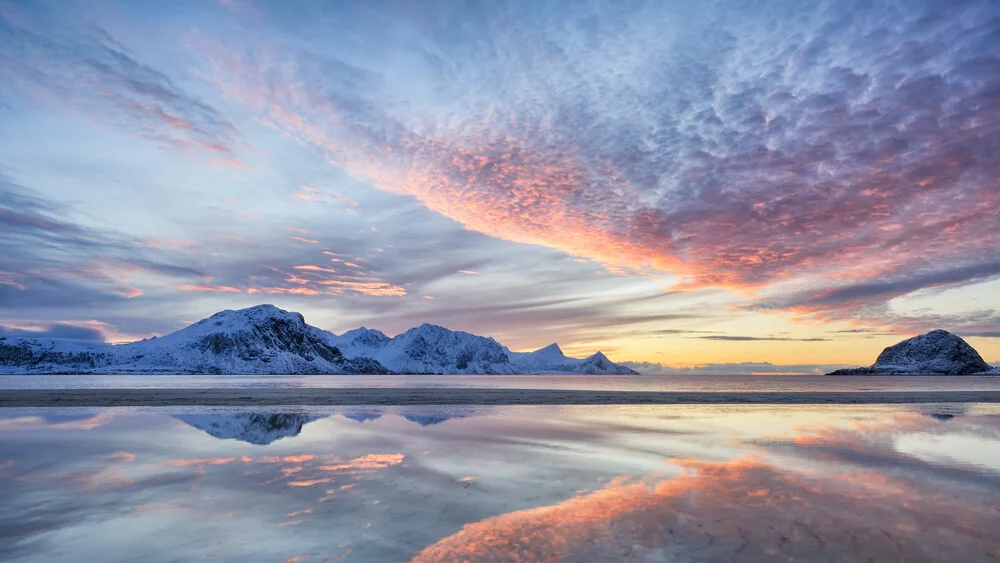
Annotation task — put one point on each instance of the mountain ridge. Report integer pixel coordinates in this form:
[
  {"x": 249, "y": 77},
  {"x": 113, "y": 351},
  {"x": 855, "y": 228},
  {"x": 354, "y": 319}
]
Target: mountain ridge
[{"x": 267, "y": 340}]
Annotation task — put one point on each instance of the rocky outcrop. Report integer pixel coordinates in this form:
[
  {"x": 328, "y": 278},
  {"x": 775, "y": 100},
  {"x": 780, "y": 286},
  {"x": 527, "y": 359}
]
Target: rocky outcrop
[{"x": 938, "y": 352}]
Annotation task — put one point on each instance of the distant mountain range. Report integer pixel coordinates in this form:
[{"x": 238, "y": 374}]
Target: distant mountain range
[{"x": 268, "y": 340}]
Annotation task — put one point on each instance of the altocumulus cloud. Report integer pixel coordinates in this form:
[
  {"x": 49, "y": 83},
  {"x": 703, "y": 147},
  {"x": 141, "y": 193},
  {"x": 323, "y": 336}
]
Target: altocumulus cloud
[
  {"x": 79, "y": 65},
  {"x": 729, "y": 144},
  {"x": 822, "y": 159}
]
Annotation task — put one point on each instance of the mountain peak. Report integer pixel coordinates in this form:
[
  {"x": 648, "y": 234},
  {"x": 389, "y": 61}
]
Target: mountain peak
[
  {"x": 551, "y": 349},
  {"x": 598, "y": 357},
  {"x": 260, "y": 339},
  {"x": 257, "y": 312},
  {"x": 428, "y": 327}
]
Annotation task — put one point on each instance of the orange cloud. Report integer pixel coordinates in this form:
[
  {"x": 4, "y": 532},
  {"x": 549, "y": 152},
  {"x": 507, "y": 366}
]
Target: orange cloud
[
  {"x": 318, "y": 280},
  {"x": 729, "y": 218}
]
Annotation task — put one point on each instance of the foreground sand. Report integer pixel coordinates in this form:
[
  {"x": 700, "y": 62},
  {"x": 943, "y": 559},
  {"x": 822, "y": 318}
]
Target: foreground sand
[{"x": 457, "y": 396}]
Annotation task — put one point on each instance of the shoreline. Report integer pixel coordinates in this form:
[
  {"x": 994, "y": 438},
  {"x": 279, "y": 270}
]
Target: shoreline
[{"x": 315, "y": 396}]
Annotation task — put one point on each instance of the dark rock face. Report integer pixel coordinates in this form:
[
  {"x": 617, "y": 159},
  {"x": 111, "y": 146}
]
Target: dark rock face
[
  {"x": 435, "y": 349},
  {"x": 32, "y": 356},
  {"x": 938, "y": 352},
  {"x": 599, "y": 364}
]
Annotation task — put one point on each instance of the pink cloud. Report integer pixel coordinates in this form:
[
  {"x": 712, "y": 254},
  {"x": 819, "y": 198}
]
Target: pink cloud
[
  {"x": 761, "y": 209},
  {"x": 208, "y": 288}
]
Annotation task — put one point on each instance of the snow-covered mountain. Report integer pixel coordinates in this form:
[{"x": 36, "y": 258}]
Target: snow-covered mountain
[
  {"x": 261, "y": 339},
  {"x": 938, "y": 352},
  {"x": 31, "y": 355},
  {"x": 254, "y": 428},
  {"x": 268, "y": 340},
  {"x": 258, "y": 340},
  {"x": 551, "y": 359},
  {"x": 428, "y": 349},
  {"x": 361, "y": 342}
]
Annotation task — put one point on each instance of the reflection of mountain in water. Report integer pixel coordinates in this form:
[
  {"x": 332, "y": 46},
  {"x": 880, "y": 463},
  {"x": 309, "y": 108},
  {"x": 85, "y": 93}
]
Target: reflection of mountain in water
[
  {"x": 426, "y": 420},
  {"x": 265, "y": 427},
  {"x": 254, "y": 428},
  {"x": 424, "y": 416},
  {"x": 943, "y": 412},
  {"x": 362, "y": 416}
]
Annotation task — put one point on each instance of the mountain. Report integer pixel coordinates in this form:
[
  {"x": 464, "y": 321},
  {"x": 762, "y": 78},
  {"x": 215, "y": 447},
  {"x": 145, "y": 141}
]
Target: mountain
[
  {"x": 254, "y": 428},
  {"x": 428, "y": 349},
  {"x": 268, "y": 340},
  {"x": 261, "y": 339},
  {"x": 258, "y": 340},
  {"x": 30, "y": 355},
  {"x": 551, "y": 359},
  {"x": 361, "y": 342},
  {"x": 938, "y": 352},
  {"x": 362, "y": 415}
]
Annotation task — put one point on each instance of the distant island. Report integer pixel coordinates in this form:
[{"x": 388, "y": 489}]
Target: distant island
[
  {"x": 268, "y": 340},
  {"x": 937, "y": 352}
]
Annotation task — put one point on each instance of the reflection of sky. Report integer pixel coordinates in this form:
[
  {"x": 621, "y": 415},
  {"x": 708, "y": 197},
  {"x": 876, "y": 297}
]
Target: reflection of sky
[
  {"x": 442, "y": 484},
  {"x": 694, "y": 176}
]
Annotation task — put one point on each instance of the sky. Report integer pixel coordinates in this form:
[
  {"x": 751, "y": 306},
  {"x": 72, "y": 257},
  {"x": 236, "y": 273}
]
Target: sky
[{"x": 674, "y": 183}]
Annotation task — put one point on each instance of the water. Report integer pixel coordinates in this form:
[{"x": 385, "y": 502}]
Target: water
[
  {"x": 367, "y": 484},
  {"x": 721, "y": 383}
]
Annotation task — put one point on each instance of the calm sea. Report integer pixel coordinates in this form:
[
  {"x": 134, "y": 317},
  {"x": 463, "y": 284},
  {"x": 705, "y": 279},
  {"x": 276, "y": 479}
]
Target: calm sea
[
  {"x": 477, "y": 484},
  {"x": 726, "y": 383},
  {"x": 916, "y": 482}
]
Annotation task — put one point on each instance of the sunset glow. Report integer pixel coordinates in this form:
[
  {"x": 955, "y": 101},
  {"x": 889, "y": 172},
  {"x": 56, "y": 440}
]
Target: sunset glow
[{"x": 675, "y": 184}]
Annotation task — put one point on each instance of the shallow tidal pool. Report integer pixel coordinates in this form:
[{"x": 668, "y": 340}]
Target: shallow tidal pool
[{"x": 638, "y": 483}]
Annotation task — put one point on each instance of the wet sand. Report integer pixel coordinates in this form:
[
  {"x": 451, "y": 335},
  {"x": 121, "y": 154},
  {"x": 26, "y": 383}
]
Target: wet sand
[{"x": 458, "y": 396}]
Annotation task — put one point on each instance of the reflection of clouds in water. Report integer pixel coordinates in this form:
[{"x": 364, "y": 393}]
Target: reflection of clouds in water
[
  {"x": 893, "y": 506},
  {"x": 58, "y": 422},
  {"x": 495, "y": 482},
  {"x": 121, "y": 498}
]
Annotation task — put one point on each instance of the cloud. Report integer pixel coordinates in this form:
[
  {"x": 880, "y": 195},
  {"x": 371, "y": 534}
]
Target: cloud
[
  {"x": 57, "y": 331},
  {"x": 818, "y": 161},
  {"x": 823, "y": 149},
  {"x": 731, "y": 338},
  {"x": 45, "y": 252},
  {"x": 878, "y": 291},
  {"x": 739, "y": 368},
  {"x": 59, "y": 61}
]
